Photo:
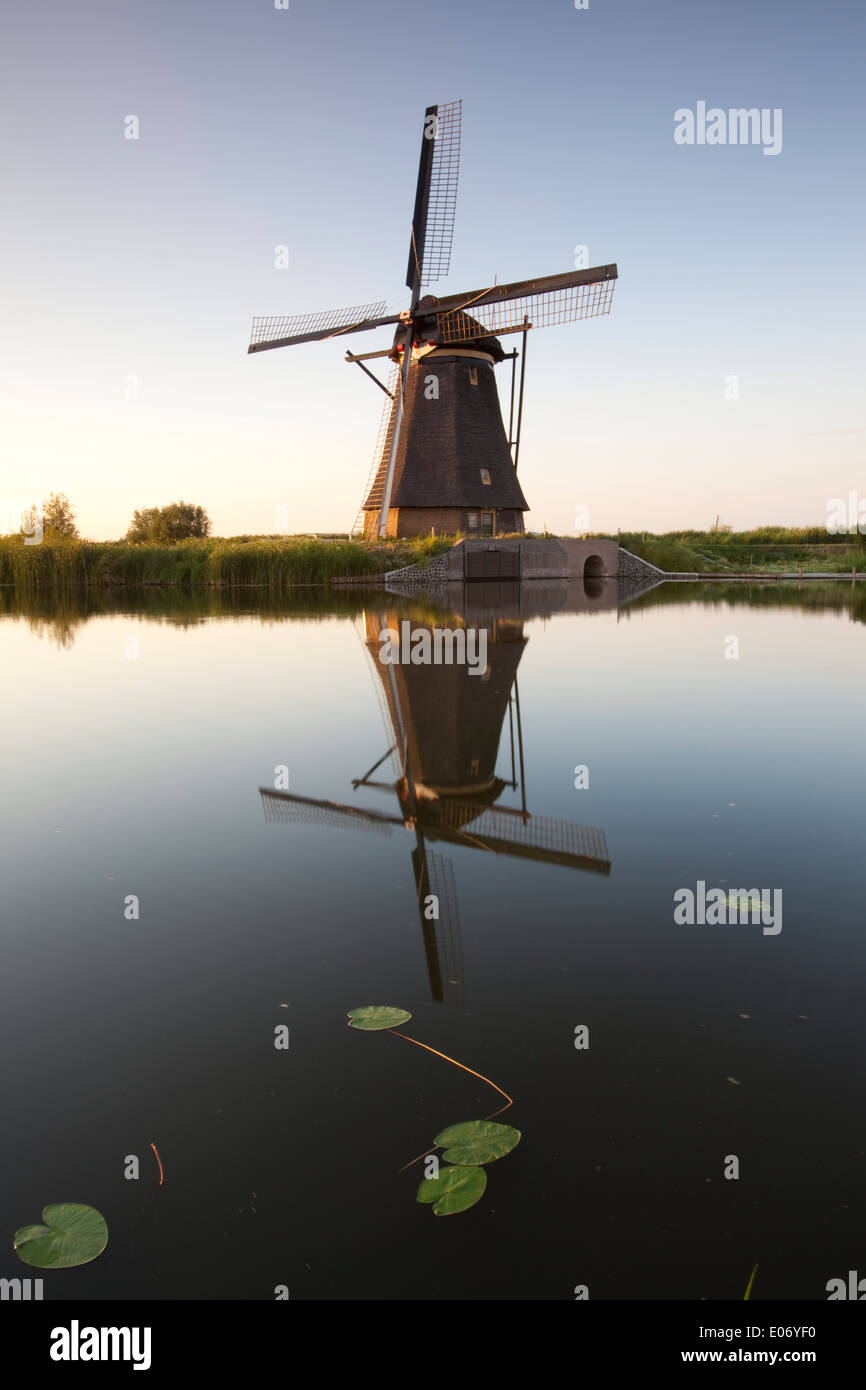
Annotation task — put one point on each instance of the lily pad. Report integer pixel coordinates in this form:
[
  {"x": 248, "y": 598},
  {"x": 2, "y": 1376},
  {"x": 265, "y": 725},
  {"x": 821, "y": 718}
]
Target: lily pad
[
  {"x": 455, "y": 1189},
  {"x": 375, "y": 1016},
  {"x": 72, "y": 1235},
  {"x": 477, "y": 1141}
]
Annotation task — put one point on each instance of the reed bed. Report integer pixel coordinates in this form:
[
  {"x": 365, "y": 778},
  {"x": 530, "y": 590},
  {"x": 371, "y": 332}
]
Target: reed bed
[
  {"x": 273, "y": 564},
  {"x": 280, "y": 564}
]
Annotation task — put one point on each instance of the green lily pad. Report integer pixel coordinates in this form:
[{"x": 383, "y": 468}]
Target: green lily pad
[
  {"x": 375, "y": 1016},
  {"x": 455, "y": 1189},
  {"x": 72, "y": 1235},
  {"x": 477, "y": 1141},
  {"x": 733, "y": 900}
]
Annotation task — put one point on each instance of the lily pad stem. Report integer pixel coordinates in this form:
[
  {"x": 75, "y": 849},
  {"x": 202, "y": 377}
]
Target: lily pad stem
[{"x": 485, "y": 1079}]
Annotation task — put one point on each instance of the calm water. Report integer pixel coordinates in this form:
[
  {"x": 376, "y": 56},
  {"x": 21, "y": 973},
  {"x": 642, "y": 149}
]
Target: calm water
[{"x": 140, "y": 775}]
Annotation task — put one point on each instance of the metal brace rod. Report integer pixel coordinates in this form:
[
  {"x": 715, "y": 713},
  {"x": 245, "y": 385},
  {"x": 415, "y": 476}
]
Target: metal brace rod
[
  {"x": 379, "y": 383},
  {"x": 365, "y": 356},
  {"x": 501, "y": 332},
  {"x": 359, "y": 781},
  {"x": 524, "y": 812},
  {"x": 526, "y": 328}
]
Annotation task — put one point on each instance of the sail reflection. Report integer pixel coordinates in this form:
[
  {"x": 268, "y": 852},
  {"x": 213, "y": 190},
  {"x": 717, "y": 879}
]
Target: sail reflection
[{"x": 448, "y": 733}]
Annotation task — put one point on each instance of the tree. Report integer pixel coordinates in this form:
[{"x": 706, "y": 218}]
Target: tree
[
  {"x": 143, "y": 525},
  {"x": 179, "y": 521},
  {"x": 58, "y": 517}
]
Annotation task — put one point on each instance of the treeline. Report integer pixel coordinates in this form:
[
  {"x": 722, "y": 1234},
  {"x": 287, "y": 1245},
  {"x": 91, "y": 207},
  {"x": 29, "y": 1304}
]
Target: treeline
[{"x": 179, "y": 521}]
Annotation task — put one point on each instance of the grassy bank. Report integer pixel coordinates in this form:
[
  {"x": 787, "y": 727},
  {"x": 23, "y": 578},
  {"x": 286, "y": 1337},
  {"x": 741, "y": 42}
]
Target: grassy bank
[
  {"x": 279, "y": 564},
  {"x": 274, "y": 564},
  {"x": 769, "y": 549}
]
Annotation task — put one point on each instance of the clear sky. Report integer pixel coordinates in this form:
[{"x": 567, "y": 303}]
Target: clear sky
[{"x": 131, "y": 268}]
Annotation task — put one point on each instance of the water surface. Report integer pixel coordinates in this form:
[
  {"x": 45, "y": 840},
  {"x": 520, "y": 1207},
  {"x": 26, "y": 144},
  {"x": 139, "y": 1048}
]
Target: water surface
[{"x": 141, "y": 774}]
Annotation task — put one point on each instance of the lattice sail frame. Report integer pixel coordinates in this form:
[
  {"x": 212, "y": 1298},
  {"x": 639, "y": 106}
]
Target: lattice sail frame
[
  {"x": 373, "y": 493},
  {"x": 539, "y": 832},
  {"x": 587, "y": 301},
  {"x": 268, "y": 330},
  {"x": 302, "y": 811},
  {"x": 440, "y": 877},
  {"x": 442, "y": 198}
]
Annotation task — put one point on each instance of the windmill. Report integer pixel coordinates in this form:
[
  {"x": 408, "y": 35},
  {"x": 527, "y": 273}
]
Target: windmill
[
  {"x": 444, "y": 730},
  {"x": 443, "y": 459}
]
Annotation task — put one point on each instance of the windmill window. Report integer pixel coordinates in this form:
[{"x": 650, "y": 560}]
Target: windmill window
[
  {"x": 473, "y": 376},
  {"x": 472, "y": 519},
  {"x": 485, "y": 476}
]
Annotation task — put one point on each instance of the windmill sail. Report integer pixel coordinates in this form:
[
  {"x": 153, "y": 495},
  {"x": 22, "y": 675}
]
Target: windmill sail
[
  {"x": 372, "y": 494},
  {"x": 580, "y": 294},
  {"x": 284, "y": 807},
  {"x": 503, "y": 831},
  {"x": 433, "y": 875},
  {"x": 435, "y": 195},
  {"x": 284, "y": 330},
  {"x": 442, "y": 940}
]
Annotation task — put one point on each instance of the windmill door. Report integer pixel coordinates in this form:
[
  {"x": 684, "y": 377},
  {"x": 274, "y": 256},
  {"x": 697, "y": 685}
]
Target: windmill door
[{"x": 492, "y": 563}]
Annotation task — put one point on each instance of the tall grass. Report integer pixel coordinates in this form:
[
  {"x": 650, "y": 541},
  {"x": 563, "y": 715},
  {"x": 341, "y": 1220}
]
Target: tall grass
[
  {"x": 768, "y": 548},
  {"x": 276, "y": 565},
  {"x": 669, "y": 555}
]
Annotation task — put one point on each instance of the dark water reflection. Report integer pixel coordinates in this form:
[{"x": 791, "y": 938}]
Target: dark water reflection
[{"x": 143, "y": 742}]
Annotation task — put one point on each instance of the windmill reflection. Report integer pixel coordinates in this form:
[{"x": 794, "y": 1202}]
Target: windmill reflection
[{"x": 444, "y": 728}]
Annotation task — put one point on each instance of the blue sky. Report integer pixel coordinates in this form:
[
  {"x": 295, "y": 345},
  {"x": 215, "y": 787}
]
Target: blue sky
[{"x": 131, "y": 268}]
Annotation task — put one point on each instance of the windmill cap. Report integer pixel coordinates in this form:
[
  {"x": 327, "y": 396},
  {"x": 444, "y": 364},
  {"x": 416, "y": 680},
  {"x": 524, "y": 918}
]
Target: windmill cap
[{"x": 482, "y": 340}]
